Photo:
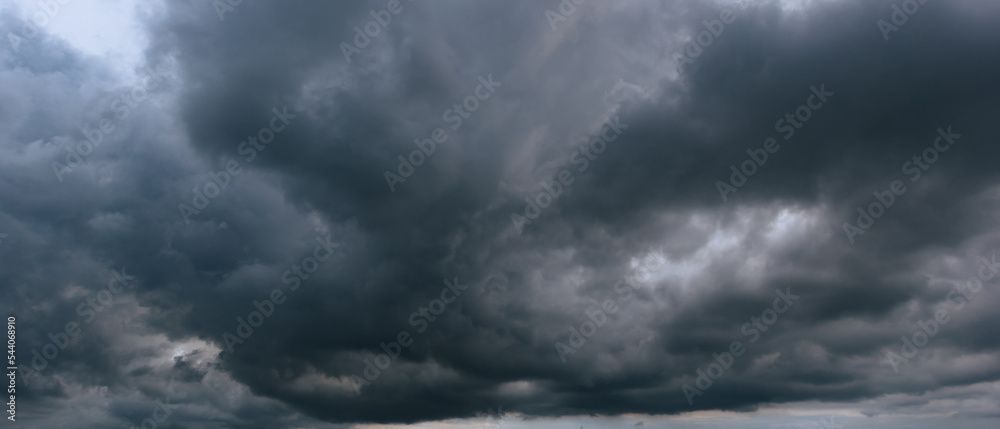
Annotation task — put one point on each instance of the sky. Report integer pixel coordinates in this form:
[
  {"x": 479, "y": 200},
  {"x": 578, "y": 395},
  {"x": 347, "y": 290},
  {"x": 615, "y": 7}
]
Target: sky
[{"x": 543, "y": 214}]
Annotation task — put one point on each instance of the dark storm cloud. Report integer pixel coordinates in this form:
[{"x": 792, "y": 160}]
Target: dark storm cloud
[{"x": 652, "y": 193}]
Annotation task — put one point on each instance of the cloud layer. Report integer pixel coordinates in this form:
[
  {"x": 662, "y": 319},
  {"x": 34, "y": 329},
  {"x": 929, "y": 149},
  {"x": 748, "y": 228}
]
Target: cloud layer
[{"x": 598, "y": 169}]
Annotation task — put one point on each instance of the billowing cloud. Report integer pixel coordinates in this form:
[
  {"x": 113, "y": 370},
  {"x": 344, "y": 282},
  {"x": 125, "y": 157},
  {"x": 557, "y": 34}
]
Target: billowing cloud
[{"x": 322, "y": 214}]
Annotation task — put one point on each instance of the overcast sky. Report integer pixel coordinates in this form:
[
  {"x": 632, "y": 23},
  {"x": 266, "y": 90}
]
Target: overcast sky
[{"x": 522, "y": 214}]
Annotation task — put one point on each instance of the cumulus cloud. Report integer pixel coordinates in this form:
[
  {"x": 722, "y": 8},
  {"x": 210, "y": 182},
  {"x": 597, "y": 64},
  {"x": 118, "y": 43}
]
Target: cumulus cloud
[{"x": 470, "y": 229}]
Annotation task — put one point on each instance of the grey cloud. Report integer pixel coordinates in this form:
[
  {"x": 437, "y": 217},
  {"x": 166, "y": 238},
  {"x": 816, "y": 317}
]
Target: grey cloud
[{"x": 651, "y": 193}]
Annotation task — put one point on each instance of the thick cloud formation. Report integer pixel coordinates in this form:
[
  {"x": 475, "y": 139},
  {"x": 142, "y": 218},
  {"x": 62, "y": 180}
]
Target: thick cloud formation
[{"x": 318, "y": 214}]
